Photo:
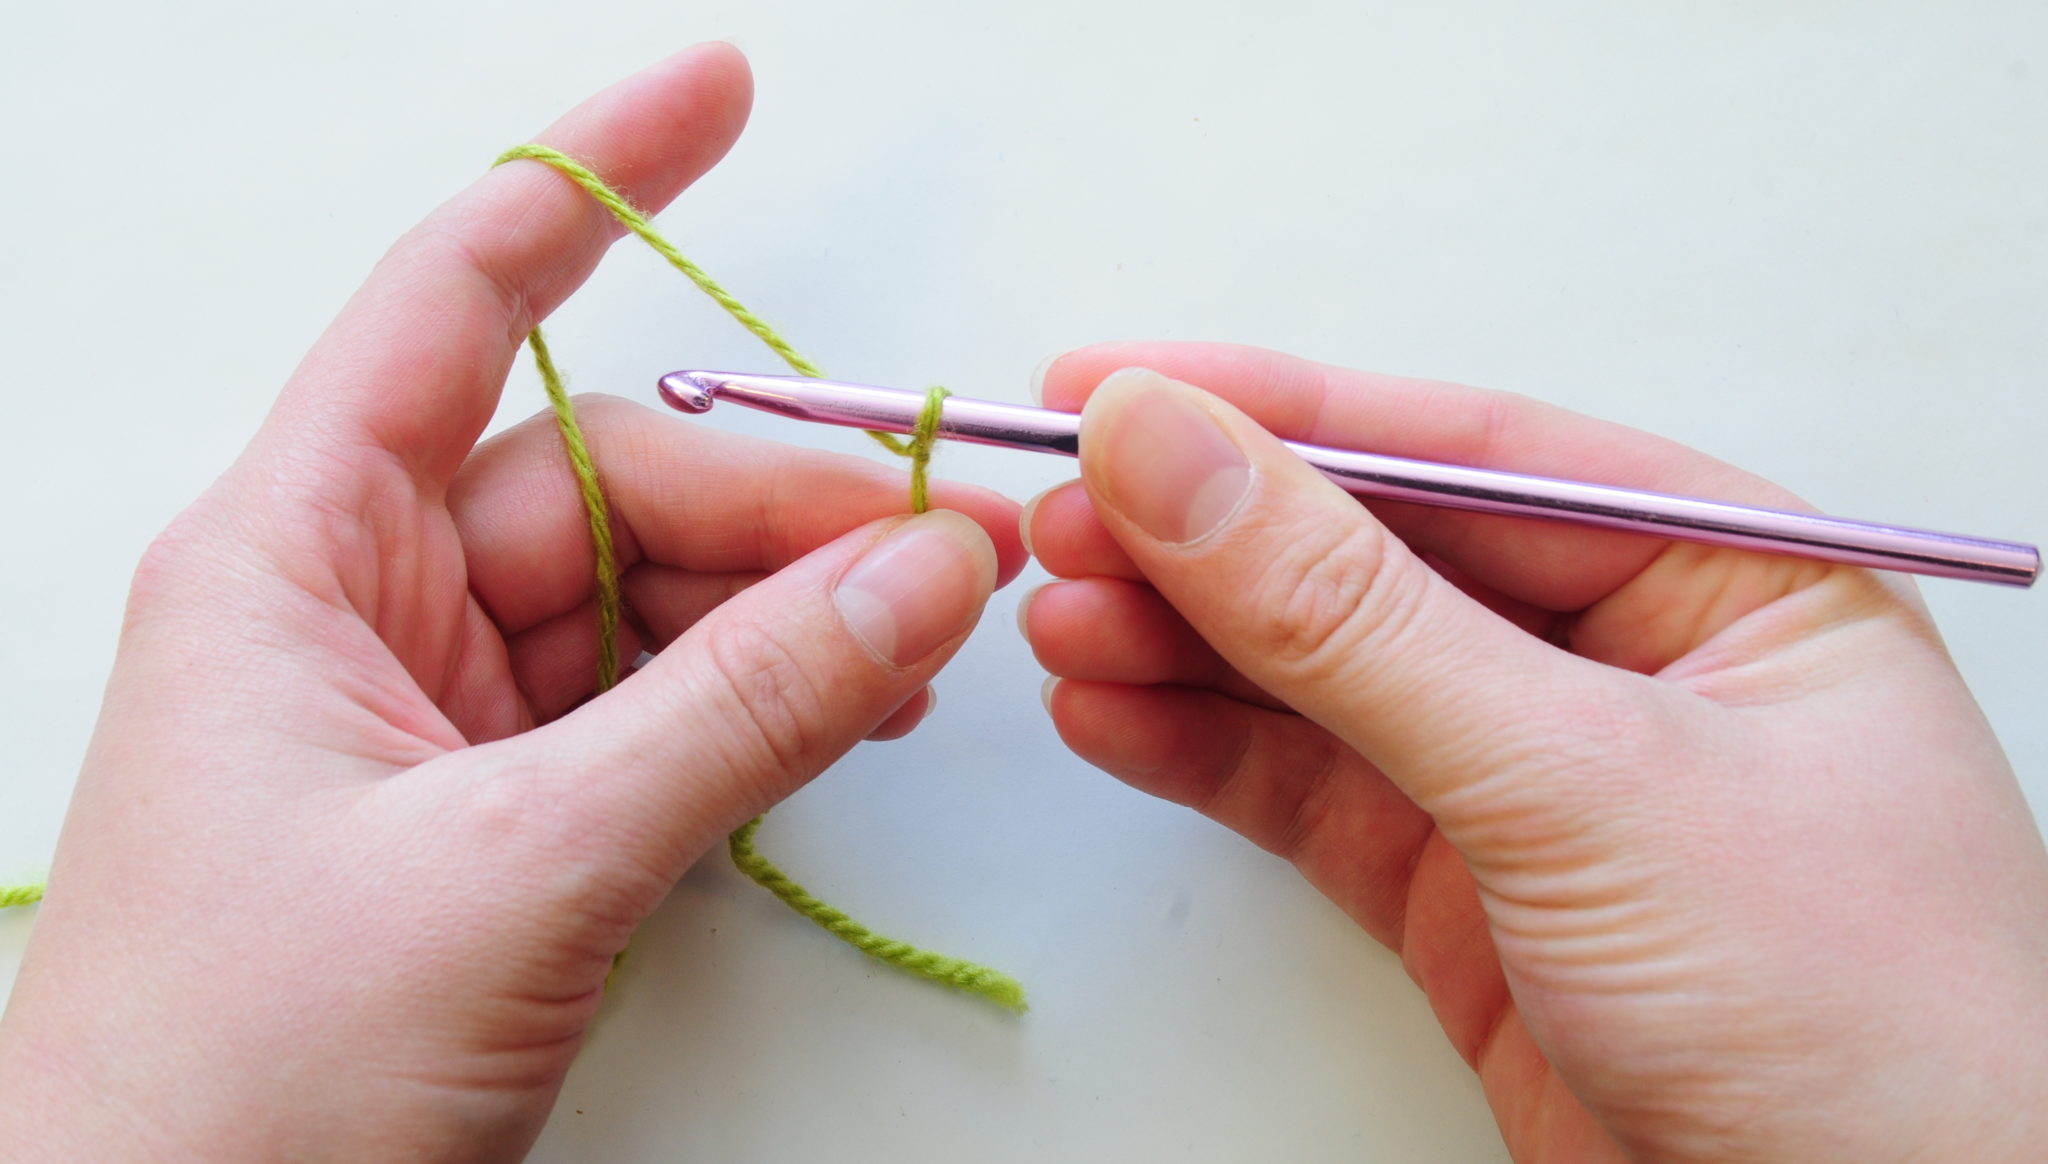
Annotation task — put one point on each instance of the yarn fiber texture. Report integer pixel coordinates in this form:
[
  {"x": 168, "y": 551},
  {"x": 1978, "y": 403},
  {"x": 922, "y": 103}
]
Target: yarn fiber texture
[{"x": 957, "y": 973}]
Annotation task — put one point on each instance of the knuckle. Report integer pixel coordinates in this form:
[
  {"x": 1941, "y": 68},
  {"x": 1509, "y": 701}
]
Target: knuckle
[
  {"x": 774, "y": 704},
  {"x": 613, "y": 425},
  {"x": 1331, "y": 596},
  {"x": 161, "y": 564},
  {"x": 460, "y": 238},
  {"x": 1315, "y": 811},
  {"x": 168, "y": 565},
  {"x": 1492, "y": 419},
  {"x": 602, "y": 409}
]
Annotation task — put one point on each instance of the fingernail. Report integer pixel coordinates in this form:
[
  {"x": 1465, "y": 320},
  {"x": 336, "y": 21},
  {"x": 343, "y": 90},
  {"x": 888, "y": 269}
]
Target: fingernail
[
  {"x": 1024, "y": 520},
  {"x": 1038, "y": 377},
  {"x": 1031, "y": 515},
  {"x": 931, "y": 703},
  {"x": 1024, "y": 610},
  {"x": 1167, "y": 464},
  {"x": 1045, "y": 691},
  {"x": 917, "y": 588}
]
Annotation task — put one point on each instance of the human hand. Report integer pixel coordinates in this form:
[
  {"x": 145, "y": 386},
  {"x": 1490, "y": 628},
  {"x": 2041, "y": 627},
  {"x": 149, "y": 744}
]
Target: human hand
[
  {"x": 1697, "y": 854},
  {"x": 325, "y": 889}
]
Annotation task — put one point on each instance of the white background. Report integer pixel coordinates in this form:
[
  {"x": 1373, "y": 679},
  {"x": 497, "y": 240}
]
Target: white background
[{"x": 1811, "y": 238}]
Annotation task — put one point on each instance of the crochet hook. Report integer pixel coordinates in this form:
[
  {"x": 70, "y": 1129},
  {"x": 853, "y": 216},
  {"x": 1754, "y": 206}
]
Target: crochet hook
[{"x": 1382, "y": 478}]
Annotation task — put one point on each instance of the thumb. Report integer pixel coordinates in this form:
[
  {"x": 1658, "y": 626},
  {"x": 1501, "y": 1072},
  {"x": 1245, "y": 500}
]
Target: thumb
[
  {"x": 774, "y": 685},
  {"x": 1301, "y": 589}
]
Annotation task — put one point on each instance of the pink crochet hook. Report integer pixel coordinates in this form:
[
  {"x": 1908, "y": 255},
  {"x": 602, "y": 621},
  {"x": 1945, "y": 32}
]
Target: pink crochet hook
[{"x": 1714, "y": 523}]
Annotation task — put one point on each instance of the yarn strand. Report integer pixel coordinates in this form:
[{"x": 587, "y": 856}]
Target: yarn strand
[
  {"x": 26, "y": 894},
  {"x": 922, "y": 438},
  {"x": 594, "y": 505},
  {"x": 957, "y": 973},
  {"x": 631, "y": 218}
]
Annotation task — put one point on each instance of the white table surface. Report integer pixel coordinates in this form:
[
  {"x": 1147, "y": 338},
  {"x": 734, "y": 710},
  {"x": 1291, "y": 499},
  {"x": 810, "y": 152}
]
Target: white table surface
[{"x": 1809, "y": 238}]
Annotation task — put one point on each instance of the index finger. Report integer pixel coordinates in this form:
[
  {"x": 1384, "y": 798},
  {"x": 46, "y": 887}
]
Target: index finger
[
  {"x": 414, "y": 364},
  {"x": 1549, "y": 565}
]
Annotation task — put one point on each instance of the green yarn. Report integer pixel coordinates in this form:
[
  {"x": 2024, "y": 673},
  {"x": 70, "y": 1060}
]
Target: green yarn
[
  {"x": 957, "y": 973},
  {"x": 13, "y": 895},
  {"x": 594, "y": 505},
  {"x": 633, "y": 220},
  {"x": 922, "y": 438}
]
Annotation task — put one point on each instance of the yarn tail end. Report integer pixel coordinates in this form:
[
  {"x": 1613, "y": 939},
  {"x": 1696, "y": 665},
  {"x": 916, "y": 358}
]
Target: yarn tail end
[
  {"x": 984, "y": 982},
  {"x": 1004, "y": 991},
  {"x": 15, "y": 896}
]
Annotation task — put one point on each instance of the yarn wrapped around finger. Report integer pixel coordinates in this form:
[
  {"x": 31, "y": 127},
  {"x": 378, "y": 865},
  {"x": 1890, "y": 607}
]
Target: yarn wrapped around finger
[{"x": 957, "y": 973}]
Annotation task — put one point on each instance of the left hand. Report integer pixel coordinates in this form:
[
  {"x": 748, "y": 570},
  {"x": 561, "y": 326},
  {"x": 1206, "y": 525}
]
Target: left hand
[{"x": 325, "y": 889}]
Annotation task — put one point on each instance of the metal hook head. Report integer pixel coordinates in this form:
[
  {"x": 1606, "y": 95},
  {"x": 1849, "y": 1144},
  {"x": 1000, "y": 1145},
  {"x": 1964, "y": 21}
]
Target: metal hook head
[{"x": 685, "y": 392}]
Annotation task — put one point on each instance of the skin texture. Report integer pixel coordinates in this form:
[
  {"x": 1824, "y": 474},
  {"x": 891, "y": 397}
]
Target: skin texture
[
  {"x": 354, "y": 846},
  {"x": 1697, "y": 854}
]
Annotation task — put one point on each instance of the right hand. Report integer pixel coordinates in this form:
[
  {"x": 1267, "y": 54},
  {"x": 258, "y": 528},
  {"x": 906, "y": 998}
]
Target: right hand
[{"x": 1698, "y": 854}]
